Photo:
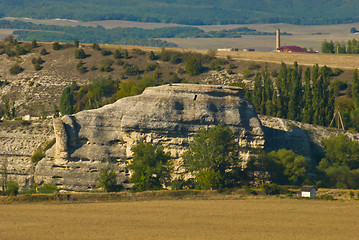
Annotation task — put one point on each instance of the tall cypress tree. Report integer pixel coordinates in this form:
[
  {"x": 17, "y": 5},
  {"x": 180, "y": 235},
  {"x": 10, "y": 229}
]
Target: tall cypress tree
[
  {"x": 257, "y": 92},
  {"x": 67, "y": 101},
  {"x": 355, "y": 89},
  {"x": 282, "y": 89},
  {"x": 295, "y": 94},
  {"x": 307, "y": 98}
]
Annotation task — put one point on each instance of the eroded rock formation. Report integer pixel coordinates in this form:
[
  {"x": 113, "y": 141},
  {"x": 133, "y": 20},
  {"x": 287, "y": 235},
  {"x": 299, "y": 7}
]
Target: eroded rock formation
[{"x": 168, "y": 115}]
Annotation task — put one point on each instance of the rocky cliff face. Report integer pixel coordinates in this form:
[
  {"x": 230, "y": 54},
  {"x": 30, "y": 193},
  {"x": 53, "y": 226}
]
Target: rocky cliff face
[
  {"x": 168, "y": 115},
  {"x": 18, "y": 141}
]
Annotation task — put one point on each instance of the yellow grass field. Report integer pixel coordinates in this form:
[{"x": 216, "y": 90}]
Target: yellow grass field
[{"x": 271, "y": 218}]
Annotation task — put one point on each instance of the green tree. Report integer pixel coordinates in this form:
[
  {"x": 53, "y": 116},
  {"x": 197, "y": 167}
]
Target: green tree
[
  {"x": 4, "y": 174},
  {"x": 16, "y": 69},
  {"x": 48, "y": 188},
  {"x": 43, "y": 51},
  {"x": 67, "y": 101},
  {"x": 327, "y": 47},
  {"x": 80, "y": 54},
  {"x": 340, "y": 150},
  {"x": 95, "y": 46},
  {"x": 56, "y": 46},
  {"x": 355, "y": 89},
  {"x": 193, "y": 66},
  {"x": 56, "y": 111},
  {"x": 151, "y": 167},
  {"x": 257, "y": 95},
  {"x": 294, "y": 166},
  {"x": 307, "y": 98},
  {"x": 152, "y": 56},
  {"x": 12, "y": 188},
  {"x": 107, "y": 180},
  {"x": 117, "y": 54},
  {"x": 76, "y": 43},
  {"x": 34, "y": 44},
  {"x": 213, "y": 156}
]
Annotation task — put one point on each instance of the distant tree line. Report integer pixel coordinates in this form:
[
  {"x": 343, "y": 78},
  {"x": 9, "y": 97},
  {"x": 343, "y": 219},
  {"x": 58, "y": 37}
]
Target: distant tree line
[
  {"x": 124, "y": 36},
  {"x": 190, "y": 12},
  {"x": 351, "y": 47}
]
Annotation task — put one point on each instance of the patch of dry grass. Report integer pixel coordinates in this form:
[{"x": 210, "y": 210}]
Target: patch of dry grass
[{"x": 186, "y": 219}]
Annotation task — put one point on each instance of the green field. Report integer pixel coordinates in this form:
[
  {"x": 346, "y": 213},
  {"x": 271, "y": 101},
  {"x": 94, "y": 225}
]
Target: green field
[{"x": 183, "y": 219}]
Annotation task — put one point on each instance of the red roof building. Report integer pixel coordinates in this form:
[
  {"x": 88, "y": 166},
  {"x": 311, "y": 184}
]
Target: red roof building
[{"x": 294, "y": 49}]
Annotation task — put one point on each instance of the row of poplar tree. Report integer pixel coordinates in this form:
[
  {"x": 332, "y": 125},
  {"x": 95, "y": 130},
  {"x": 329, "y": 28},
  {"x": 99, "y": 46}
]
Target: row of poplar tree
[{"x": 294, "y": 95}]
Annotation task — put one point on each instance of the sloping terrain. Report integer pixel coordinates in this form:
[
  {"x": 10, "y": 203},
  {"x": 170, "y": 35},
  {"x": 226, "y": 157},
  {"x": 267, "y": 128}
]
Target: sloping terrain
[{"x": 189, "y": 12}]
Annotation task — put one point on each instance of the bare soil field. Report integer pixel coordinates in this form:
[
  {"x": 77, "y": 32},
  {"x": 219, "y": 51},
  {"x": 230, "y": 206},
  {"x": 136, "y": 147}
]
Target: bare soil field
[{"x": 183, "y": 219}]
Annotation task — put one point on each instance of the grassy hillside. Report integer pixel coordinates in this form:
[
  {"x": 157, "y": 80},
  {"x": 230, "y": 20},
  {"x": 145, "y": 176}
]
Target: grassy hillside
[
  {"x": 105, "y": 75},
  {"x": 195, "y": 12}
]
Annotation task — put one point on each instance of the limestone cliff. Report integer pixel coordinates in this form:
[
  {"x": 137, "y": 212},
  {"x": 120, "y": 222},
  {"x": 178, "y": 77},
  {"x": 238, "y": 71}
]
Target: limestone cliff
[
  {"x": 168, "y": 115},
  {"x": 18, "y": 141}
]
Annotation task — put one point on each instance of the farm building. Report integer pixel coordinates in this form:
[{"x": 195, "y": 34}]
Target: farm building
[
  {"x": 289, "y": 49},
  {"x": 309, "y": 191},
  {"x": 293, "y": 49}
]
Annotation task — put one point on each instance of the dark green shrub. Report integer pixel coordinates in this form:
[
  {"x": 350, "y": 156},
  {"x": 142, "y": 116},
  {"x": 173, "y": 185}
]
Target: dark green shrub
[
  {"x": 326, "y": 197},
  {"x": 95, "y": 46},
  {"x": 80, "y": 54},
  {"x": 175, "y": 59},
  {"x": 48, "y": 188},
  {"x": 10, "y": 52},
  {"x": 351, "y": 194},
  {"x": 248, "y": 190},
  {"x": 152, "y": 56},
  {"x": 20, "y": 50},
  {"x": 120, "y": 62},
  {"x": 107, "y": 180},
  {"x": 151, "y": 67},
  {"x": 180, "y": 70},
  {"x": 37, "y": 156},
  {"x": 76, "y": 43},
  {"x": 193, "y": 66},
  {"x": 246, "y": 73},
  {"x": 34, "y": 44},
  {"x": 217, "y": 64},
  {"x": 137, "y": 51},
  {"x": 105, "y": 52},
  {"x": 117, "y": 54},
  {"x": 174, "y": 78},
  {"x": 43, "y": 51},
  {"x": 37, "y": 67},
  {"x": 106, "y": 68},
  {"x": 254, "y": 66},
  {"x": 274, "y": 73},
  {"x": 125, "y": 54},
  {"x": 56, "y": 46},
  {"x": 177, "y": 184},
  {"x": 16, "y": 69},
  {"x": 132, "y": 70},
  {"x": 270, "y": 189},
  {"x": 12, "y": 188}
]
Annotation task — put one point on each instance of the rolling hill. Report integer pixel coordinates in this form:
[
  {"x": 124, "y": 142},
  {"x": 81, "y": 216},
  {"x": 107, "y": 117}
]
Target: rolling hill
[{"x": 195, "y": 12}]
